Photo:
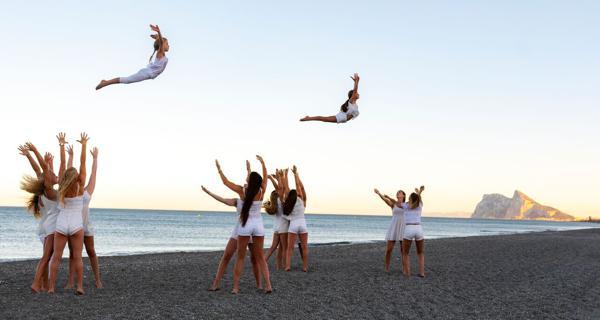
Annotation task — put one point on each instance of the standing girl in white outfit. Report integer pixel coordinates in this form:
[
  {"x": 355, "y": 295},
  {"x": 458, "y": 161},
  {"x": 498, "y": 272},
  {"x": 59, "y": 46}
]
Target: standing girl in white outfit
[
  {"x": 294, "y": 206},
  {"x": 69, "y": 223},
  {"x": 348, "y": 110},
  {"x": 274, "y": 208},
  {"x": 251, "y": 225},
  {"x": 395, "y": 230},
  {"x": 41, "y": 207},
  {"x": 88, "y": 229},
  {"x": 154, "y": 68},
  {"x": 232, "y": 243},
  {"x": 413, "y": 231}
]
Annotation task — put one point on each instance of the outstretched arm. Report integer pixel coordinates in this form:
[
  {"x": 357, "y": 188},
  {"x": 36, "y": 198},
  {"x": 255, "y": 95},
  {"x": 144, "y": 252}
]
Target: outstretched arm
[
  {"x": 385, "y": 198},
  {"x": 82, "y": 170},
  {"x": 285, "y": 183},
  {"x": 92, "y": 183},
  {"x": 34, "y": 165},
  {"x": 419, "y": 192},
  {"x": 229, "y": 202},
  {"x": 354, "y": 96},
  {"x": 62, "y": 140},
  {"x": 70, "y": 156},
  {"x": 161, "y": 51},
  {"x": 299, "y": 185},
  {"x": 232, "y": 186},
  {"x": 263, "y": 187}
]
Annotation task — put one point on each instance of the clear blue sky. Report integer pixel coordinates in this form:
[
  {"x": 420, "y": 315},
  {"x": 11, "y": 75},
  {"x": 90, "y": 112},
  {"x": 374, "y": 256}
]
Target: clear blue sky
[{"x": 466, "y": 97}]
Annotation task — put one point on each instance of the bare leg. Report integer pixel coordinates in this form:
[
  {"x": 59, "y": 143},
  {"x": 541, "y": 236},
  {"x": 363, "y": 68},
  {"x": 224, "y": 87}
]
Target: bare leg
[
  {"x": 255, "y": 267},
  {"x": 304, "y": 246},
  {"x": 281, "y": 252},
  {"x": 71, "y": 274},
  {"x": 105, "y": 83},
  {"x": 274, "y": 246},
  {"x": 76, "y": 241},
  {"x": 91, "y": 252},
  {"x": 289, "y": 251},
  {"x": 421, "y": 257},
  {"x": 320, "y": 118},
  {"x": 42, "y": 269},
  {"x": 388, "y": 255},
  {"x": 239, "y": 263},
  {"x": 60, "y": 240},
  {"x": 227, "y": 254},
  {"x": 405, "y": 260},
  {"x": 257, "y": 251}
]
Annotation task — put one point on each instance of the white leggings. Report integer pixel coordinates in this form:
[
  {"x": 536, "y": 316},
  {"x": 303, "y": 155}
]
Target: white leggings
[{"x": 141, "y": 75}]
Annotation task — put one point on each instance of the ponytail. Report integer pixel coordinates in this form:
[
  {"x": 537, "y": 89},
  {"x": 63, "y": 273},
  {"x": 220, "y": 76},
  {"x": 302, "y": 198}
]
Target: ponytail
[
  {"x": 290, "y": 202},
  {"x": 152, "y": 56},
  {"x": 344, "y": 106},
  {"x": 254, "y": 186}
]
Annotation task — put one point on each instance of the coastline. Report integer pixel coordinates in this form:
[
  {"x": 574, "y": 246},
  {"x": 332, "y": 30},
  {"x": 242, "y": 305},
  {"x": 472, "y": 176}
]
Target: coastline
[{"x": 551, "y": 275}]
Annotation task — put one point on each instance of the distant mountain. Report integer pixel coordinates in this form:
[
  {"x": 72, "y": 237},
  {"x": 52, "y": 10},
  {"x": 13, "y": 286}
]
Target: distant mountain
[{"x": 520, "y": 207}]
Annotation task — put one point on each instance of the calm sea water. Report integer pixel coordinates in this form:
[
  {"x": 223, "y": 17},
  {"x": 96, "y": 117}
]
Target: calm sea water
[{"x": 125, "y": 232}]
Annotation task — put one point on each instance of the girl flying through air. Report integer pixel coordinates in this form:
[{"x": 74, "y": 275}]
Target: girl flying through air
[
  {"x": 154, "y": 68},
  {"x": 348, "y": 110}
]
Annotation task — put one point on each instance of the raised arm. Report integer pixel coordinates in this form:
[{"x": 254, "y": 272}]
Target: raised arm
[
  {"x": 385, "y": 198},
  {"x": 263, "y": 187},
  {"x": 248, "y": 170},
  {"x": 299, "y": 185},
  {"x": 284, "y": 182},
  {"x": 82, "y": 170},
  {"x": 354, "y": 96},
  {"x": 70, "y": 156},
  {"x": 92, "y": 182},
  {"x": 232, "y": 186},
  {"x": 158, "y": 36},
  {"x": 419, "y": 192},
  {"x": 34, "y": 165},
  {"x": 229, "y": 202},
  {"x": 62, "y": 140}
]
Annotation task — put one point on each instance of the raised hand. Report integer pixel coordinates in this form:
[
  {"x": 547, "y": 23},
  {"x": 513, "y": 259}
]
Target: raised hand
[
  {"x": 70, "y": 150},
  {"x": 218, "y": 165},
  {"x": 155, "y": 28},
  {"x": 204, "y": 189},
  {"x": 62, "y": 138},
  {"x": 377, "y": 191},
  {"x": 23, "y": 150},
  {"x": 94, "y": 152},
  {"x": 294, "y": 170},
  {"x": 48, "y": 157},
  {"x": 84, "y": 138},
  {"x": 248, "y": 165},
  {"x": 259, "y": 158},
  {"x": 422, "y": 188},
  {"x": 355, "y": 77}
]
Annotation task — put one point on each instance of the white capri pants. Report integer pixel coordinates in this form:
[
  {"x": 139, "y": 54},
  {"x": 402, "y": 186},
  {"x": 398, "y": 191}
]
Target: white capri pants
[
  {"x": 413, "y": 232},
  {"x": 141, "y": 75}
]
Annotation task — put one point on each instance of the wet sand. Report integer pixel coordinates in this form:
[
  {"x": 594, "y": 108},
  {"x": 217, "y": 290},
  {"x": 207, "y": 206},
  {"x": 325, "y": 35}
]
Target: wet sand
[{"x": 547, "y": 275}]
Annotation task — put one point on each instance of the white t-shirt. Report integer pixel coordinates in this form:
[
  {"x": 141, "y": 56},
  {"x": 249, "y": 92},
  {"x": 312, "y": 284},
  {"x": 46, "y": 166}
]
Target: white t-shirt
[
  {"x": 412, "y": 216},
  {"x": 352, "y": 110},
  {"x": 157, "y": 66}
]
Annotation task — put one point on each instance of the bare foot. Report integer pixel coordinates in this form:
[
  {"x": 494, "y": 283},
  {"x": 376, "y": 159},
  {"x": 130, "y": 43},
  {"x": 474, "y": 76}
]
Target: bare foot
[
  {"x": 421, "y": 275},
  {"x": 99, "y": 285},
  {"x": 269, "y": 290},
  {"x": 235, "y": 291},
  {"x": 50, "y": 291},
  {"x": 304, "y": 119},
  {"x": 79, "y": 292},
  {"x": 35, "y": 289},
  {"x": 101, "y": 85},
  {"x": 288, "y": 269},
  {"x": 304, "y": 269},
  {"x": 69, "y": 286}
]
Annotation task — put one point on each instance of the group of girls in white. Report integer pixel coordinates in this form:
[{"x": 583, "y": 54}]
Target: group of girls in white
[
  {"x": 405, "y": 228},
  {"x": 63, "y": 213},
  {"x": 248, "y": 231}
]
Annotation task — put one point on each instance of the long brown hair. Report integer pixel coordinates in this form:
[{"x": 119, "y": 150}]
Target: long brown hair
[
  {"x": 271, "y": 205},
  {"x": 69, "y": 181},
  {"x": 157, "y": 45},
  {"x": 290, "y": 202},
  {"x": 254, "y": 184},
  {"x": 35, "y": 186},
  {"x": 414, "y": 201},
  {"x": 344, "y": 106}
]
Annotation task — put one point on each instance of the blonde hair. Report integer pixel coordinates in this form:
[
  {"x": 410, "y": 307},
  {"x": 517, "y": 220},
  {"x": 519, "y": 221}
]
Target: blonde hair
[
  {"x": 414, "y": 201},
  {"x": 35, "y": 186},
  {"x": 69, "y": 180},
  {"x": 271, "y": 205}
]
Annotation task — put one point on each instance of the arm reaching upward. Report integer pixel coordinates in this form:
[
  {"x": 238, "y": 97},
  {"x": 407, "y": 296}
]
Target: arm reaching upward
[
  {"x": 82, "y": 169},
  {"x": 62, "y": 140},
  {"x": 232, "y": 186},
  {"x": 354, "y": 96},
  {"x": 299, "y": 185},
  {"x": 70, "y": 156},
  {"x": 161, "y": 50},
  {"x": 263, "y": 187},
  {"x": 229, "y": 202},
  {"x": 385, "y": 198},
  {"x": 92, "y": 182},
  {"x": 34, "y": 165}
]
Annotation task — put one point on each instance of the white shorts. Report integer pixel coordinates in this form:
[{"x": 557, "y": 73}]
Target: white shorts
[
  {"x": 254, "y": 227},
  {"x": 69, "y": 222},
  {"x": 50, "y": 224},
  {"x": 341, "y": 117},
  {"x": 281, "y": 225},
  {"x": 298, "y": 226},
  {"x": 234, "y": 233},
  {"x": 141, "y": 75},
  {"x": 413, "y": 232}
]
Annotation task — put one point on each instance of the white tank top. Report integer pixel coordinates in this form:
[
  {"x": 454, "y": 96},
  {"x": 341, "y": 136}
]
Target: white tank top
[
  {"x": 72, "y": 205},
  {"x": 157, "y": 66},
  {"x": 298, "y": 211},
  {"x": 396, "y": 211},
  {"x": 279, "y": 213},
  {"x": 352, "y": 110},
  {"x": 254, "y": 211},
  {"x": 412, "y": 215}
]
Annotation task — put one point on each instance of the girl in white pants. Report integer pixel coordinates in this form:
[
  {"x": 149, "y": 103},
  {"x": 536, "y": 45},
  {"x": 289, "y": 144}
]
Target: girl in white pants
[
  {"x": 413, "y": 231},
  {"x": 154, "y": 68},
  {"x": 348, "y": 110}
]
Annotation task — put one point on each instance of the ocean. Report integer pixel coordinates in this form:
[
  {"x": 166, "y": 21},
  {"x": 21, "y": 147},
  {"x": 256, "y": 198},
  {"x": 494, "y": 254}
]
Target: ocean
[{"x": 127, "y": 232}]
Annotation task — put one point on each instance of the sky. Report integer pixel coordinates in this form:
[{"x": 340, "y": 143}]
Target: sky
[{"x": 465, "y": 97}]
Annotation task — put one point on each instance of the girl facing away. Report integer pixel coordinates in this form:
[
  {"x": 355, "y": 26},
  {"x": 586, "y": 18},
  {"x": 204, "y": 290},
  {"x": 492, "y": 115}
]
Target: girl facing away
[
  {"x": 395, "y": 230},
  {"x": 294, "y": 206},
  {"x": 348, "y": 110},
  {"x": 154, "y": 68},
  {"x": 413, "y": 231}
]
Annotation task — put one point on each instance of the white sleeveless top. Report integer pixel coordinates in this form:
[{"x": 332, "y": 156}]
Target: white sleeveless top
[
  {"x": 254, "y": 211},
  {"x": 86, "y": 208},
  {"x": 74, "y": 205},
  {"x": 398, "y": 212},
  {"x": 157, "y": 66},
  {"x": 412, "y": 216},
  {"x": 298, "y": 211},
  {"x": 48, "y": 208},
  {"x": 352, "y": 110}
]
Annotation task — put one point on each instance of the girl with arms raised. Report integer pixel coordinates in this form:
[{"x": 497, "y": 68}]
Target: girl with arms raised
[
  {"x": 413, "y": 231},
  {"x": 348, "y": 110},
  {"x": 394, "y": 233}
]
